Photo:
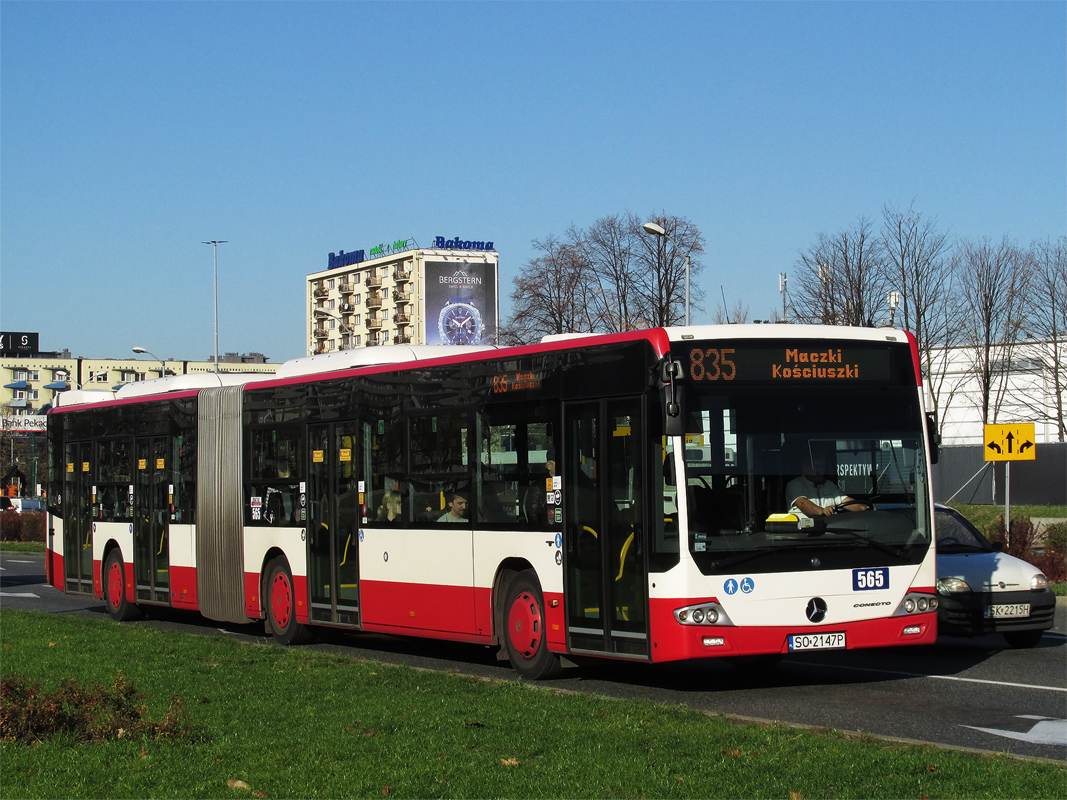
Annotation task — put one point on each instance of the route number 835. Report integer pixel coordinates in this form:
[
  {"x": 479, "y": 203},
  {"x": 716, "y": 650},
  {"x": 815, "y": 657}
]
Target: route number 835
[{"x": 713, "y": 364}]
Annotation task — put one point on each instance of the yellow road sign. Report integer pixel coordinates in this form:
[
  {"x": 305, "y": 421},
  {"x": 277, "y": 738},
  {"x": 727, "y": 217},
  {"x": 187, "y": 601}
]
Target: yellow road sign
[{"x": 1012, "y": 442}]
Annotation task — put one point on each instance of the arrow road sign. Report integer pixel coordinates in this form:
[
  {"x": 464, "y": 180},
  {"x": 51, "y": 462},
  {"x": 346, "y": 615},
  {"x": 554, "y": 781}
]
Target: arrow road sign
[{"x": 1013, "y": 442}]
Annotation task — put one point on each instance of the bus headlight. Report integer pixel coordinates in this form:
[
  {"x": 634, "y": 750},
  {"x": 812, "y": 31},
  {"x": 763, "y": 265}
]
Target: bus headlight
[
  {"x": 916, "y": 603},
  {"x": 703, "y": 614}
]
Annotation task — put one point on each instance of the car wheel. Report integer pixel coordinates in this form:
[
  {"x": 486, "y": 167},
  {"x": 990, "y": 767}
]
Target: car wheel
[{"x": 1023, "y": 638}]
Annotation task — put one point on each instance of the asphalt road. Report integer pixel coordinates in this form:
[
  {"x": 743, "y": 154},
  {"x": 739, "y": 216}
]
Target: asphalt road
[{"x": 972, "y": 693}]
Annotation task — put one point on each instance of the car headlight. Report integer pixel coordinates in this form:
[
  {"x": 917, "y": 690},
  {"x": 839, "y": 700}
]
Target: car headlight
[
  {"x": 953, "y": 585},
  {"x": 1039, "y": 583}
]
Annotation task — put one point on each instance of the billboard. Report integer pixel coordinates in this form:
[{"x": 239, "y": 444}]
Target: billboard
[
  {"x": 18, "y": 344},
  {"x": 460, "y": 302}
]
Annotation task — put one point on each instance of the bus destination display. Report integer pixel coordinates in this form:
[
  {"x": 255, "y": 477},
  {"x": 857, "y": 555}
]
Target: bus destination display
[{"x": 803, "y": 362}]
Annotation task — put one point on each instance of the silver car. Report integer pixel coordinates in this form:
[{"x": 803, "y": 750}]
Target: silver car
[{"x": 983, "y": 590}]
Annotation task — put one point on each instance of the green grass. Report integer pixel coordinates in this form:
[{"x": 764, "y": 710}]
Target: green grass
[
  {"x": 22, "y": 547},
  {"x": 298, "y": 723}
]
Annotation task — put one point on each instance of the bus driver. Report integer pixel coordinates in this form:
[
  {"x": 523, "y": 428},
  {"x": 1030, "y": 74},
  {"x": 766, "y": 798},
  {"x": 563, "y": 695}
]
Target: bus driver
[{"x": 815, "y": 495}]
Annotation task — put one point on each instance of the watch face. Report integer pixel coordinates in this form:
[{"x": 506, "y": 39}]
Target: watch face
[{"x": 460, "y": 323}]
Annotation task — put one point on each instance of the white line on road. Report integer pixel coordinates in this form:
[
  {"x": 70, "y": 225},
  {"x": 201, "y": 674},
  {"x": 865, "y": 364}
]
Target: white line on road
[
  {"x": 1046, "y": 731},
  {"x": 940, "y": 677},
  {"x": 18, "y": 594}
]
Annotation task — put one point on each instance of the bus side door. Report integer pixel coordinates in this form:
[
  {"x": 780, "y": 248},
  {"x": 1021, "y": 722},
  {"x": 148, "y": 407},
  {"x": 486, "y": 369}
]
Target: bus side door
[{"x": 604, "y": 487}]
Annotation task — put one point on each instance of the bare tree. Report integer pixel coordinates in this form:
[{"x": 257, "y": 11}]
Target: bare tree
[
  {"x": 552, "y": 294},
  {"x": 1048, "y": 324},
  {"x": 734, "y": 316},
  {"x": 993, "y": 280},
  {"x": 919, "y": 268},
  {"x": 661, "y": 262},
  {"x": 841, "y": 280},
  {"x": 609, "y": 247}
]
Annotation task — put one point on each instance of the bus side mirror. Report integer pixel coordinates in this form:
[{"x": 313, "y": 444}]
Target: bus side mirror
[
  {"x": 672, "y": 397},
  {"x": 933, "y": 436}
]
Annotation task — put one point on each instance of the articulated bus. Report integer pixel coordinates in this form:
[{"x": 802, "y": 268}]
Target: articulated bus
[{"x": 619, "y": 496}]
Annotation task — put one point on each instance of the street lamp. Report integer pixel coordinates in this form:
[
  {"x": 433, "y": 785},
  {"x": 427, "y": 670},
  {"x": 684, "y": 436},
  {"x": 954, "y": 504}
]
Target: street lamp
[
  {"x": 215, "y": 245},
  {"x": 658, "y": 230},
  {"x": 162, "y": 363}
]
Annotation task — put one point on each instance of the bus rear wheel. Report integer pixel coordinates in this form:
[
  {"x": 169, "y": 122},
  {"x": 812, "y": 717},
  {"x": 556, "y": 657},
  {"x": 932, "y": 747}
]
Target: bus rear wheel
[
  {"x": 280, "y": 595},
  {"x": 118, "y": 606},
  {"x": 525, "y": 637}
]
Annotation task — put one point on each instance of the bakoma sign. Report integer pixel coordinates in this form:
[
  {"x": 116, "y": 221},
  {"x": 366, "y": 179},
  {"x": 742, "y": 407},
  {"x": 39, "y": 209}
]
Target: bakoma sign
[{"x": 343, "y": 259}]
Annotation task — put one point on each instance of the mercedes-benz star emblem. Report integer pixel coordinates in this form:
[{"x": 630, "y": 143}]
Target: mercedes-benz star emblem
[{"x": 816, "y": 610}]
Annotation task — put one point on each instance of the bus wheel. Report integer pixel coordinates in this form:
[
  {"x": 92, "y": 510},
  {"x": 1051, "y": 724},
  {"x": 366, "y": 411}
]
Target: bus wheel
[
  {"x": 525, "y": 639},
  {"x": 118, "y": 606},
  {"x": 281, "y": 606}
]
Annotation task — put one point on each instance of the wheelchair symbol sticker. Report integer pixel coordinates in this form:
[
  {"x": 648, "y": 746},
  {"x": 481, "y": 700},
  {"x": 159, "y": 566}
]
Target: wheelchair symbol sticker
[
  {"x": 730, "y": 586},
  {"x": 559, "y": 541},
  {"x": 747, "y": 585}
]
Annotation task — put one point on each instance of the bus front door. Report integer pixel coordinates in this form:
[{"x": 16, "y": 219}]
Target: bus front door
[
  {"x": 333, "y": 523},
  {"x": 151, "y": 514},
  {"x": 77, "y": 518},
  {"x": 604, "y": 476}
]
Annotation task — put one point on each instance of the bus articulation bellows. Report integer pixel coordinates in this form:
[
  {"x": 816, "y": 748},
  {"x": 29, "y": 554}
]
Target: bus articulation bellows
[{"x": 618, "y": 496}]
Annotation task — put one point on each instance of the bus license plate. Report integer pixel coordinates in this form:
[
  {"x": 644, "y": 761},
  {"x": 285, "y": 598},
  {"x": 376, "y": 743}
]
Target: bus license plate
[
  {"x": 1013, "y": 611},
  {"x": 816, "y": 641}
]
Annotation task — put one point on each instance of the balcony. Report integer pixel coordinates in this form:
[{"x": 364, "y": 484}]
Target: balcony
[
  {"x": 401, "y": 339},
  {"x": 373, "y": 282},
  {"x": 374, "y": 323},
  {"x": 346, "y": 288},
  {"x": 374, "y": 301},
  {"x": 401, "y": 275},
  {"x": 401, "y": 319},
  {"x": 400, "y": 298},
  {"x": 321, "y": 334},
  {"x": 345, "y": 329},
  {"x": 321, "y": 292}
]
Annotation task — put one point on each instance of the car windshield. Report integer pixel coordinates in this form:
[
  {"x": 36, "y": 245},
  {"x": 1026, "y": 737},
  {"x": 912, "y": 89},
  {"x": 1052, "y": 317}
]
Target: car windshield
[
  {"x": 957, "y": 535},
  {"x": 746, "y": 449}
]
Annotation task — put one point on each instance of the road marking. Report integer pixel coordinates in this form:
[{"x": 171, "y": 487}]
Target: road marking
[
  {"x": 1047, "y": 730},
  {"x": 17, "y": 594},
  {"x": 942, "y": 677}
]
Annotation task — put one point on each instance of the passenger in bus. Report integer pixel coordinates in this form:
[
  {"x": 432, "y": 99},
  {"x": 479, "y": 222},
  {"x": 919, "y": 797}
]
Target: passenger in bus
[
  {"x": 279, "y": 507},
  {"x": 815, "y": 495},
  {"x": 457, "y": 509},
  {"x": 390, "y": 509}
]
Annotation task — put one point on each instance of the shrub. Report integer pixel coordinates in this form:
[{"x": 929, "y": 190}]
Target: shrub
[
  {"x": 10, "y": 526},
  {"x": 34, "y": 526},
  {"x": 88, "y": 714},
  {"x": 30, "y": 526},
  {"x": 1026, "y": 540}
]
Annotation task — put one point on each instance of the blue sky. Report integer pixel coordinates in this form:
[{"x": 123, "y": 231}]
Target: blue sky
[{"x": 131, "y": 132}]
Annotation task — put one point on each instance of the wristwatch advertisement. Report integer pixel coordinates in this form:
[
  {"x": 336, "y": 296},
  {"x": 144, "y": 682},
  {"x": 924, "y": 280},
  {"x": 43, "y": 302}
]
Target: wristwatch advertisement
[{"x": 460, "y": 302}]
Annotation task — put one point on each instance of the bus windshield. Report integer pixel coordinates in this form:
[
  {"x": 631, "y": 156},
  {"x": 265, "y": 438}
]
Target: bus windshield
[{"x": 750, "y": 452}]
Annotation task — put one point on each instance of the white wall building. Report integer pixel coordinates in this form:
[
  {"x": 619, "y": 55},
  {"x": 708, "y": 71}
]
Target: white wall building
[{"x": 1023, "y": 390}]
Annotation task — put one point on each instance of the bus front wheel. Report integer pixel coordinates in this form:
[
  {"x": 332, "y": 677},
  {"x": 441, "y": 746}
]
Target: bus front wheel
[
  {"x": 525, "y": 636},
  {"x": 118, "y": 606},
  {"x": 281, "y": 606}
]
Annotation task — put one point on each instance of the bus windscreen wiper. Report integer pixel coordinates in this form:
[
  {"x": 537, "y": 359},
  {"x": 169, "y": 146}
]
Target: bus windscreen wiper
[{"x": 855, "y": 534}]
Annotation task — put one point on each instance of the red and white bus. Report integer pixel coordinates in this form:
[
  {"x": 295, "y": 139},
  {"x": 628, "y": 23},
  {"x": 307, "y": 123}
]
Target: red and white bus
[{"x": 623, "y": 496}]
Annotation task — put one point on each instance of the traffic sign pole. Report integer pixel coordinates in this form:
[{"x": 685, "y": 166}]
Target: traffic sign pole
[{"x": 1007, "y": 503}]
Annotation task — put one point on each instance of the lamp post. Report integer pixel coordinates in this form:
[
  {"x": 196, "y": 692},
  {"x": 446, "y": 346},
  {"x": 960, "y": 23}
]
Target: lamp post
[
  {"x": 215, "y": 245},
  {"x": 162, "y": 363},
  {"x": 658, "y": 230}
]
